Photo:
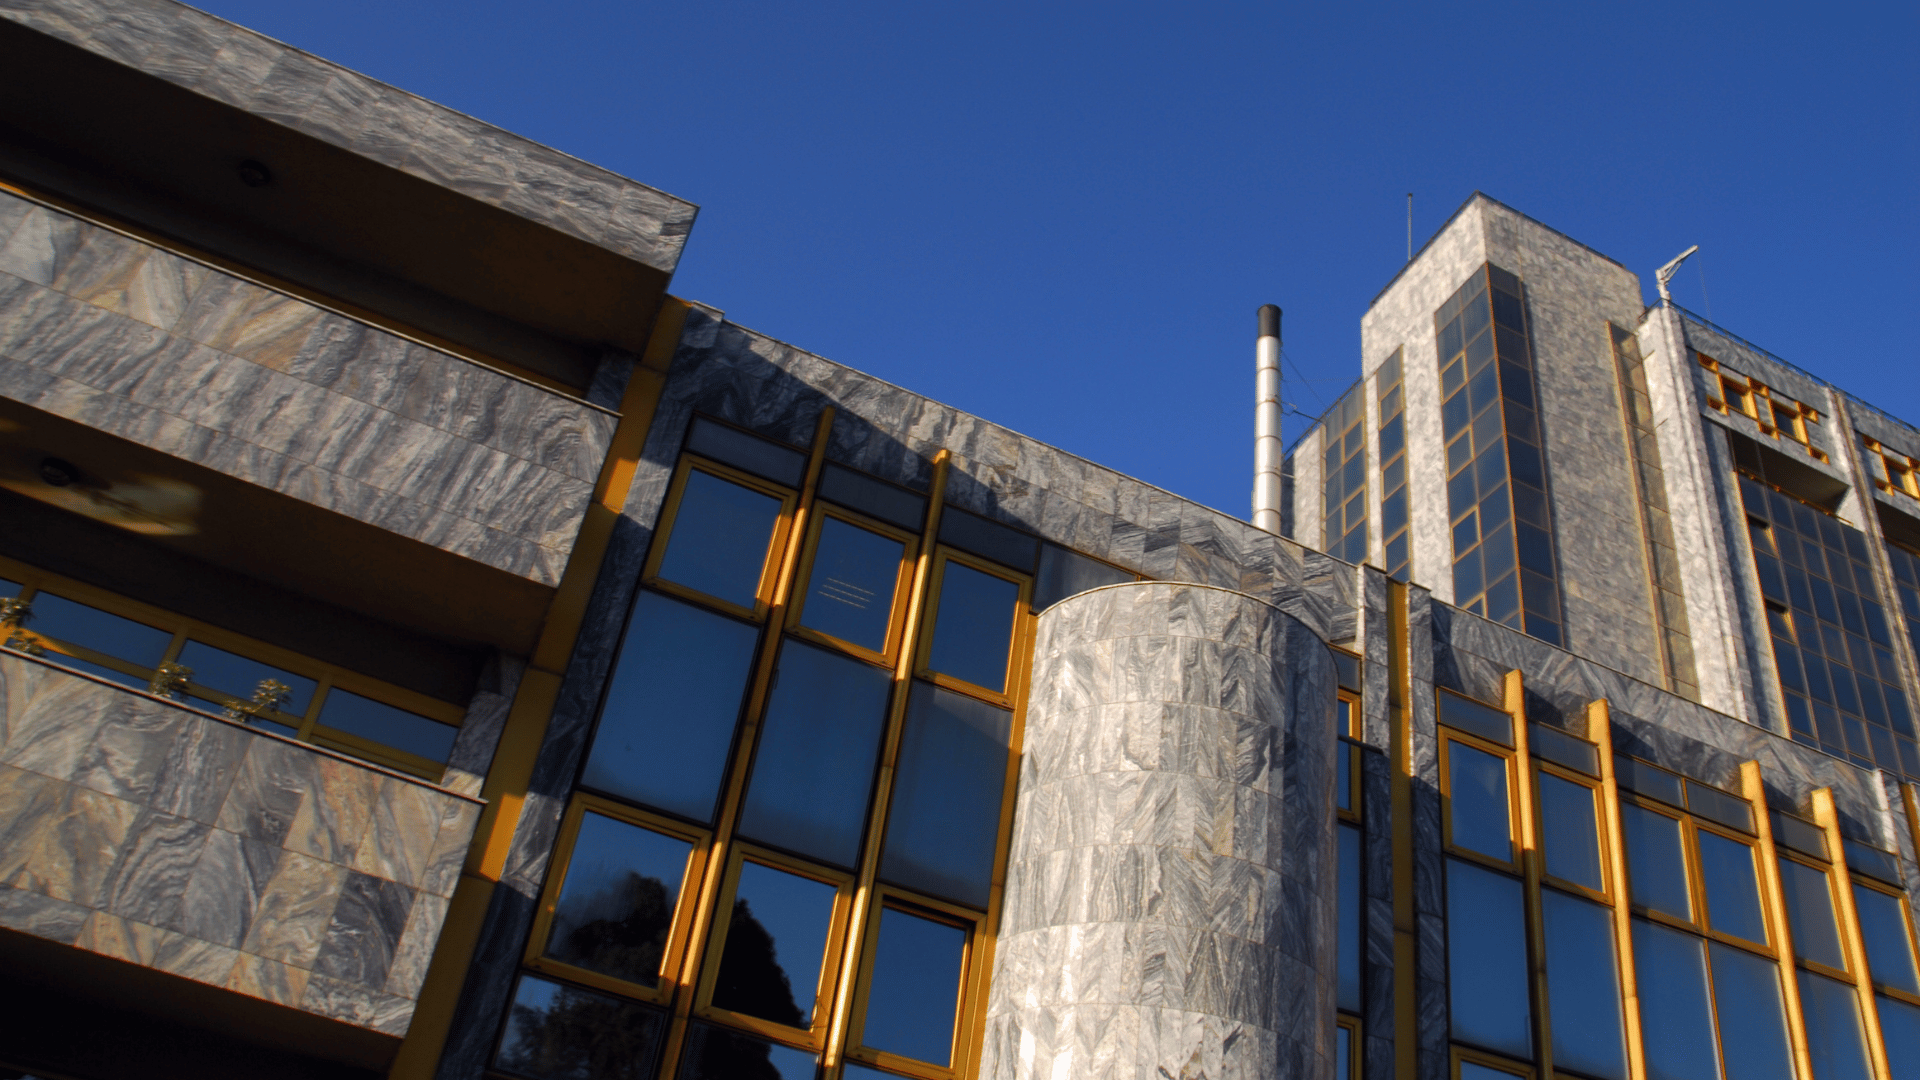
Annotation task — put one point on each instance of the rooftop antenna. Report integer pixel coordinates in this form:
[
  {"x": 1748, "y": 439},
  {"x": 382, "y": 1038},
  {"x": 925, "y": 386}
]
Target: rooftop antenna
[
  {"x": 1665, "y": 273},
  {"x": 1266, "y": 422},
  {"x": 1409, "y": 226}
]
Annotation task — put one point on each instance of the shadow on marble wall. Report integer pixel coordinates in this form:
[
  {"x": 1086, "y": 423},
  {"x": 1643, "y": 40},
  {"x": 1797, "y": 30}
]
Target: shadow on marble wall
[{"x": 148, "y": 832}]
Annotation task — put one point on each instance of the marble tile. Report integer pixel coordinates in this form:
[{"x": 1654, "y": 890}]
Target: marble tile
[
  {"x": 40, "y": 915},
  {"x": 74, "y": 847},
  {"x": 225, "y": 888},
  {"x": 267, "y": 980},
  {"x": 149, "y": 878},
  {"x": 401, "y": 831},
  {"x": 356, "y": 1004},
  {"x": 332, "y": 821},
  {"x": 295, "y": 909},
  {"x": 365, "y": 931},
  {"x": 408, "y": 971}
]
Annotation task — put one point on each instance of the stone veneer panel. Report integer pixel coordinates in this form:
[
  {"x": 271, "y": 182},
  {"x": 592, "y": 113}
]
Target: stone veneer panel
[
  {"x": 138, "y": 829},
  {"x": 250, "y": 71},
  {"x": 141, "y": 343},
  {"x": 1169, "y": 908}
]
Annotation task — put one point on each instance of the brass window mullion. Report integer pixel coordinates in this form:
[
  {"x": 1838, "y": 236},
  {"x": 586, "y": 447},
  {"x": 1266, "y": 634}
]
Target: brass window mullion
[
  {"x": 793, "y": 536},
  {"x": 1600, "y": 733},
  {"x": 1753, "y": 786},
  {"x": 865, "y": 900},
  {"x": 1527, "y": 809},
  {"x": 320, "y": 691},
  {"x": 1852, "y": 940}
]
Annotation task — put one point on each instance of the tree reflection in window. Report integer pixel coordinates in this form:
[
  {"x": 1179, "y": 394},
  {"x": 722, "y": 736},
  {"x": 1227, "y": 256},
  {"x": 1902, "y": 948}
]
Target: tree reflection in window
[{"x": 557, "y": 1032}]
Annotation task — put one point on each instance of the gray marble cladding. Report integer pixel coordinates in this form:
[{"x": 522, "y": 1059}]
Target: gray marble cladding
[
  {"x": 298, "y": 90},
  {"x": 138, "y": 829},
  {"x": 136, "y": 341},
  {"x": 1169, "y": 890}
]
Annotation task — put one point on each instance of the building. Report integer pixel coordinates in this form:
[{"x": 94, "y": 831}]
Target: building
[{"x": 434, "y": 650}]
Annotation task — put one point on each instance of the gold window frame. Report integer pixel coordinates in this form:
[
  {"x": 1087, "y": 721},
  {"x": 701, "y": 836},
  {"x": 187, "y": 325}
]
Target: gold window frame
[
  {"x": 1459, "y": 1054},
  {"x": 1508, "y": 756},
  {"x": 535, "y": 958},
  {"x": 669, "y": 514},
  {"x": 930, "y": 621},
  {"x": 1843, "y": 974},
  {"x": 184, "y": 629},
  {"x": 813, "y": 1037},
  {"x": 1906, "y": 921},
  {"x": 1351, "y": 1025},
  {"x": 1596, "y": 790},
  {"x": 972, "y": 985},
  {"x": 902, "y": 585},
  {"x": 1702, "y": 922}
]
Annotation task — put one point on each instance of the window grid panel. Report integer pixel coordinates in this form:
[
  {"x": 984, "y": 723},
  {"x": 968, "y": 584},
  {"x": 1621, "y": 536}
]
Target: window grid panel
[
  {"x": 1396, "y": 535},
  {"x": 1344, "y": 481}
]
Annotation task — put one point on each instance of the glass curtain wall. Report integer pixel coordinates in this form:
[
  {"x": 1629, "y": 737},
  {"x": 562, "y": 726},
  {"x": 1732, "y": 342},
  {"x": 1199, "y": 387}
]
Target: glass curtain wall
[
  {"x": 1832, "y": 645},
  {"x": 1503, "y": 557},
  {"x": 782, "y": 847},
  {"x": 1344, "y": 483},
  {"x": 1395, "y": 518}
]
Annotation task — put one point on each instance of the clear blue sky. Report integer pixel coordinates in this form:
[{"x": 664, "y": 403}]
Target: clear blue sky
[{"x": 1062, "y": 217}]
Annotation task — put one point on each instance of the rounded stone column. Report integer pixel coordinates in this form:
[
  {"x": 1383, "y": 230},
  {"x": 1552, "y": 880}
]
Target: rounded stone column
[{"x": 1170, "y": 900}]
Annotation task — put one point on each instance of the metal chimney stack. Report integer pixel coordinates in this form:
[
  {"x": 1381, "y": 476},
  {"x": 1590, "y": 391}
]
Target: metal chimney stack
[{"x": 1266, "y": 422}]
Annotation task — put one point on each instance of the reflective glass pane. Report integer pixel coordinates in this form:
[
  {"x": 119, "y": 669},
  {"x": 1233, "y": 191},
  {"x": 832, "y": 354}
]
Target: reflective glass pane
[
  {"x": 1676, "y": 1023},
  {"x": 770, "y": 967},
  {"x": 1064, "y": 573},
  {"x": 616, "y": 903},
  {"x": 945, "y": 817},
  {"x": 761, "y": 457},
  {"x": 228, "y": 673},
  {"x": 973, "y": 629},
  {"x": 122, "y": 639},
  {"x": 556, "y": 1032},
  {"x": 1343, "y": 780},
  {"x": 1753, "y": 1017},
  {"x": 1583, "y": 986},
  {"x": 1473, "y": 1070},
  {"x": 1570, "y": 832},
  {"x": 1733, "y": 889},
  {"x": 718, "y": 1054},
  {"x": 1816, "y": 936},
  {"x": 1487, "y": 960},
  {"x": 818, "y": 745},
  {"x": 720, "y": 537},
  {"x": 1900, "y": 1029},
  {"x": 915, "y": 987},
  {"x": 1889, "y": 949},
  {"x": 1835, "y": 1040},
  {"x": 672, "y": 706},
  {"x": 1343, "y": 1054},
  {"x": 850, "y": 591},
  {"x": 1348, "y": 997},
  {"x": 1477, "y": 802},
  {"x": 384, "y": 724},
  {"x": 1656, "y": 861}
]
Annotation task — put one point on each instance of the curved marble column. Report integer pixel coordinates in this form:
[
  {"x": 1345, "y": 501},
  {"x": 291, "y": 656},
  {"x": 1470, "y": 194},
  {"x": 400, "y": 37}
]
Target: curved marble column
[{"x": 1170, "y": 894}]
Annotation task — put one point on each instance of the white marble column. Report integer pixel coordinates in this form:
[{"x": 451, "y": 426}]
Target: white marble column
[{"x": 1170, "y": 893}]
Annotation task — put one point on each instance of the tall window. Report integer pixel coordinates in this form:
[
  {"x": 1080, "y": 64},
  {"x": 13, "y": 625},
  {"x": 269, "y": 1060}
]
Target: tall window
[
  {"x": 1503, "y": 558},
  {"x": 1344, "y": 484},
  {"x": 1663, "y": 561},
  {"x": 1350, "y": 862},
  {"x": 1394, "y": 506},
  {"x": 1832, "y": 645},
  {"x": 784, "y": 842}
]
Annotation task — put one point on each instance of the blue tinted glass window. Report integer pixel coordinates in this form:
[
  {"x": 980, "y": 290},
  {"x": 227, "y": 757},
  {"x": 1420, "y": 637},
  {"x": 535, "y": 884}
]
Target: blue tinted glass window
[
  {"x": 1900, "y": 1029},
  {"x": 1753, "y": 1018},
  {"x": 776, "y": 940},
  {"x": 1477, "y": 803},
  {"x": 1656, "y": 861},
  {"x": 218, "y": 669},
  {"x": 1835, "y": 1040},
  {"x": 1889, "y": 948},
  {"x": 89, "y": 627},
  {"x": 973, "y": 628},
  {"x": 1343, "y": 780},
  {"x": 720, "y": 537},
  {"x": 850, "y": 590},
  {"x": 1816, "y": 936},
  {"x": 1473, "y": 1070},
  {"x": 617, "y": 900},
  {"x": 1487, "y": 960},
  {"x": 384, "y": 724},
  {"x": 1676, "y": 1021},
  {"x": 1343, "y": 1054},
  {"x": 556, "y": 1032},
  {"x": 945, "y": 818},
  {"x": 1583, "y": 986},
  {"x": 818, "y": 746},
  {"x": 1348, "y": 997},
  {"x": 1733, "y": 890},
  {"x": 672, "y": 706},
  {"x": 718, "y": 1054},
  {"x": 1570, "y": 832},
  {"x": 915, "y": 987}
]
